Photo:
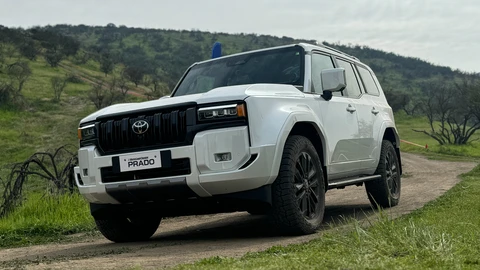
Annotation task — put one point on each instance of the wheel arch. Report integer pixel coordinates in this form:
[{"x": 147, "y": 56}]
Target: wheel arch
[
  {"x": 312, "y": 132},
  {"x": 304, "y": 124},
  {"x": 391, "y": 134}
]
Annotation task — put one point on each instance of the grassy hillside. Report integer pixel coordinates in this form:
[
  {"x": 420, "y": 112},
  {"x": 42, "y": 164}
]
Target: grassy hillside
[
  {"x": 162, "y": 54},
  {"x": 172, "y": 51},
  {"x": 36, "y": 122}
]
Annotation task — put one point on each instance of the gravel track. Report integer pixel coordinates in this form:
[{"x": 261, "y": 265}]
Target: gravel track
[{"x": 188, "y": 239}]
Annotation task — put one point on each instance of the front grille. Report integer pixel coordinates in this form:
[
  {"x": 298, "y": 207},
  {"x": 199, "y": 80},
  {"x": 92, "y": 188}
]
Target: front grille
[
  {"x": 166, "y": 128},
  {"x": 178, "y": 167}
]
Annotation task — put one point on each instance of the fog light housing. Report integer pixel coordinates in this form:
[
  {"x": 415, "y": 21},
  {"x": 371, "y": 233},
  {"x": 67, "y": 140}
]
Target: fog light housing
[{"x": 223, "y": 157}]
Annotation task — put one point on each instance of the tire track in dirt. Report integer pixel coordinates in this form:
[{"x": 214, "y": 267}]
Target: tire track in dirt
[{"x": 188, "y": 239}]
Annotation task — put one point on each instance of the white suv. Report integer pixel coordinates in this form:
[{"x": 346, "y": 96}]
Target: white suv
[{"x": 267, "y": 131}]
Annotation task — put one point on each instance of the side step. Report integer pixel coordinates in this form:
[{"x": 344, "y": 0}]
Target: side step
[{"x": 352, "y": 181}]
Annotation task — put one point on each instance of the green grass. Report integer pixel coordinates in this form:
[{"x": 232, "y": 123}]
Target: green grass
[
  {"x": 431, "y": 237},
  {"x": 43, "y": 219},
  {"x": 445, "y": 234},
  {"x": 405, "y": 125},
  {"x": 42, "y": 125}
]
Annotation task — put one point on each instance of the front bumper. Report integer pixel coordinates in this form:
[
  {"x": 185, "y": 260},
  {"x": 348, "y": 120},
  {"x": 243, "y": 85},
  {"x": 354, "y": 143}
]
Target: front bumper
[{"x": 249, "y": 168}]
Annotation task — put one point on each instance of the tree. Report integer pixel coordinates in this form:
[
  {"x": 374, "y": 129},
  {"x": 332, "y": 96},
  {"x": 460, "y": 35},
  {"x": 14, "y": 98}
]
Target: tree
[
  {"x": 53, "y": 57},
  {"x": 2, "y": 55},
  {"x": 160, "y": 88},
  {"x": 29, "y": 49},
  {"x": 106, "y": 64},
  {"x": 102, "y": 95},
  {"x": 58, "y": 85},
  {"x": 81, "y": 57},
  {"x": 18, "y": 73},
  {"x": 453, "y": 111},
  {"x": 134, "y": 74},
  {"x": 397, "y": 100},
  {"x": 123, "y": 85},
  {"x": 6, "y": 91}
]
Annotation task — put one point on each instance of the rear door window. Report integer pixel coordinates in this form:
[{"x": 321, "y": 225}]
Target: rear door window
[
  {"x": 370, "y": 85},
  {"x": 353, "y": 88}
]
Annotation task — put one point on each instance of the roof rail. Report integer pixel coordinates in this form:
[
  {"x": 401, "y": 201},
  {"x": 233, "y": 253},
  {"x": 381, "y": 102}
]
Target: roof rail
[{"x": 335, "y": 50}]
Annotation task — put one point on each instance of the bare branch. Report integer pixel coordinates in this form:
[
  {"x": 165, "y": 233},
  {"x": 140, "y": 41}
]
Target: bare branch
[{"x": 47, "y": 168}]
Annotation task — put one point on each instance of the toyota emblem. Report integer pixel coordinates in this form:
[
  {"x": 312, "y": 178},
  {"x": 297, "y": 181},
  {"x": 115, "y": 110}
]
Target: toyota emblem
[{"x": 140, "y": 127}]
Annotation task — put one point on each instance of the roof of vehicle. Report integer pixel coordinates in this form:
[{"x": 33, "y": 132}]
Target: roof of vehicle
[
  {"x": 325, "y": 48},
  {"x": 306, "y": 46}
]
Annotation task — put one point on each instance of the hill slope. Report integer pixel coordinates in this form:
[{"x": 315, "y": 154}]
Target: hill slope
[
  {"x": 97, "y": 55},
  {"x": 170, "y": 52}
]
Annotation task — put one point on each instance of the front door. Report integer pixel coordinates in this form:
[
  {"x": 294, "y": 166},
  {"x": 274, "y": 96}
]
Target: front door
[{"x": 340, "y": 123}]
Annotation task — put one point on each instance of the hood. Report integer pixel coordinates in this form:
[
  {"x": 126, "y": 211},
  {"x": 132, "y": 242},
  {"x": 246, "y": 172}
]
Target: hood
[{"x": 220, "y": 94}]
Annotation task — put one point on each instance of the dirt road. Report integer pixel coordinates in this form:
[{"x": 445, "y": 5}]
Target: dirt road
[{"x": 189, "y": 239}]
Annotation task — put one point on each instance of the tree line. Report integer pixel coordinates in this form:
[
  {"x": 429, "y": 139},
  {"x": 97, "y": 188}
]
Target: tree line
[{"x": 156, "y": 58}]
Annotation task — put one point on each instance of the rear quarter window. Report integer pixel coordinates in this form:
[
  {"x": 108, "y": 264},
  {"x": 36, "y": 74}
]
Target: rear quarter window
[{"x": 370, "y": 85}]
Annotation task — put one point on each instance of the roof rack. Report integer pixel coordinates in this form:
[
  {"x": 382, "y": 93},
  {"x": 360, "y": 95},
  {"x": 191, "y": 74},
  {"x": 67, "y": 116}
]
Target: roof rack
[{"x": 335, "y": 50}]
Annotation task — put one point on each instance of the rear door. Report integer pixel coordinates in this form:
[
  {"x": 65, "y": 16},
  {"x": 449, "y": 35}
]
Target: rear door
[
  {"x": 377, "y": 107},
  {"x": 360, "y": 142}
]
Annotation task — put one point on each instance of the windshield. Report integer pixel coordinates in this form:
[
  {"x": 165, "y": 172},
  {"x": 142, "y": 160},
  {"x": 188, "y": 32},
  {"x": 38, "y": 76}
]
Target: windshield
[{"x": 281, "y": 66}]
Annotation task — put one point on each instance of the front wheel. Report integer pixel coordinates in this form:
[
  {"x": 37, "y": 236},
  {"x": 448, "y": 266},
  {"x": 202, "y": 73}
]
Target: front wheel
[
  {"x": 385, "y": 192},
  {"x": 298, "y": 193},
  {"x": 128, "y": 229}
]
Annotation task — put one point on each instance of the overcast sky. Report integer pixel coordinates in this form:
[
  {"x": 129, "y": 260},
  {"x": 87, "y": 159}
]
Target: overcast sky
[{"x": 444, "y": 32}]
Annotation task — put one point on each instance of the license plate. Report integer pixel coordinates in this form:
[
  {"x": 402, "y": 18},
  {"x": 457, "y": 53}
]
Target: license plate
[{"x": 148, "y": 160}]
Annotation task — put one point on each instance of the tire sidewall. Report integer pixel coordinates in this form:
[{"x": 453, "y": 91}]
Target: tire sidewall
[
  {"x": 387, "y": 146},
  {"x": 310, "y": 149},
  {"x": 304, "y": 225}
]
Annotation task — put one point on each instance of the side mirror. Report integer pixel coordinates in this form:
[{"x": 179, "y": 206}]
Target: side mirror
[{"x": 333, "y": 80}]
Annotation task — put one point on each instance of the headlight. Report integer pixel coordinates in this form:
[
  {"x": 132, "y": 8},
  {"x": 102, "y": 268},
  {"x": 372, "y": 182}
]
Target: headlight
[
  {"x": 222, "y": 112},
  {"x": 87, "y": 133}
]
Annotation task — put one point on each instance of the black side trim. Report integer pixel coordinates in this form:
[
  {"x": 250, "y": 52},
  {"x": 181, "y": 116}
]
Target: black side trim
[
  {"x": 261, "y": 194},
  {"x": 249, "y": 161}
]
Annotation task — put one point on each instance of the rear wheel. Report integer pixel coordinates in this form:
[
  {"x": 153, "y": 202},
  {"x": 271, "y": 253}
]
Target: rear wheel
[
  {"x": 298, "y": 197},
  {"x": 385, "y": 191},
  {"x": 128, "y": 229}
]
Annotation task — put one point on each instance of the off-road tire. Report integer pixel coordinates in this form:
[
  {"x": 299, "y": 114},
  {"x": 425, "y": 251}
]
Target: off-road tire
[
  {"x": 286, "y": 214},
  {"x": 128, "y": 229},
  {"x": 381, "y": 192}
]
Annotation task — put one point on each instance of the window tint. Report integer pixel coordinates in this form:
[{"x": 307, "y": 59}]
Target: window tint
[
  {"x": 353, "y": 90},
  {"x": 367, "y": 78},
  {"x": 282, "y": 66},
  {"x": 319, "y": 63}
]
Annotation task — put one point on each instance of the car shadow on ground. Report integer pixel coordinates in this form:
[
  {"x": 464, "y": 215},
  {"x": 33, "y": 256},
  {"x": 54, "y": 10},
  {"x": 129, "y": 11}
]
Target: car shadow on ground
[
  {"x": 246, "y": 226},
  {"x": 217, "y": 233}
]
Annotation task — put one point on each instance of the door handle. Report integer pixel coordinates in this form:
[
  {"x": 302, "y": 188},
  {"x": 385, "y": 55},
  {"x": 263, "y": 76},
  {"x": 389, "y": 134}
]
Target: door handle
[
  {"x": 375, "y": 111},
  {"x": 350, "y": 108}
]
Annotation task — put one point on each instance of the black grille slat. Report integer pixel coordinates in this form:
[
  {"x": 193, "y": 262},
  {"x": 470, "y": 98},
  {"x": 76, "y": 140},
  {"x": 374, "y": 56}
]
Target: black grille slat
[
  {"x": 125, "y": 130},
  {"x": 174, "y": 125},
  {"x": 156, "y": 126},
  {"x": 183, "y": 119},
  {"x": 165, "y": 128}
]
